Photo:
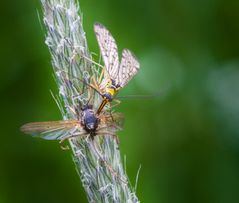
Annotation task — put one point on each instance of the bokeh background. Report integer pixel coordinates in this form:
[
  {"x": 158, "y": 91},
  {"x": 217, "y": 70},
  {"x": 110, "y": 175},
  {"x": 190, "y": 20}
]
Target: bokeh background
[{"x": 186, "y": 140}]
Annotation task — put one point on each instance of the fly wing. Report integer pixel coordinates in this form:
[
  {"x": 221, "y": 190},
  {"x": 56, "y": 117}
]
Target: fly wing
[
  {"x": 108, "y": 49},
  {"x": 113, "y": 122},
  {"x": 129, "y": 66},
  {"x": 118, "y": 119},
  {"x": 53, "y": 130}
]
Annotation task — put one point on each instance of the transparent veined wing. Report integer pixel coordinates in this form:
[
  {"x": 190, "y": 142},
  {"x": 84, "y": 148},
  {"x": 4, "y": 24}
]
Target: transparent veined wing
[
  {"x": 113, "y": 122},
  {"x": 129, "y": 66},
  {"x": 108, "y": 49},
  {"x": 118, "y": 119},
  {"x": 53, "y": 130}
]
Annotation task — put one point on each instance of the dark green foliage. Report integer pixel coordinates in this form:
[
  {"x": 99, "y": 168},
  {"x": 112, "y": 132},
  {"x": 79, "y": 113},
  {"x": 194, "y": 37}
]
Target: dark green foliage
[{"x": 187, "y": 141}]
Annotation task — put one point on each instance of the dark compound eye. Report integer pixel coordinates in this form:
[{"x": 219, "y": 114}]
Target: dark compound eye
[{"x": 113, "y": 82}]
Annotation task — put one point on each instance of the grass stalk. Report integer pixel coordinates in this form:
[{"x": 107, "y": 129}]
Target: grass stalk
[{"x": 98, "y": 162}]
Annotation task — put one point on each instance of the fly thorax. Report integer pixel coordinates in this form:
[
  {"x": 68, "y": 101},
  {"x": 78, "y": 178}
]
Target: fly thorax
[{"x": 111, "y": 90}]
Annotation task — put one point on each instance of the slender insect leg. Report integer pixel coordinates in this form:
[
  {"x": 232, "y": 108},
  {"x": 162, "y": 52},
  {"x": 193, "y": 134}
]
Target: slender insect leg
[
  {"x": 65, "y": 148},
  {"x": 114, "y": 136},
  {"x": 95, "y": 83},
  {"x": 70, "y": 136},
  {"x": 94, "y": 86},
  {"x": 111, "y": 106},
  {"x": 92, "y": 61},
  {"x": 101, "y": 75},
  {"x": 117, "y": 103},
  {"x": 111, "y": 112}
]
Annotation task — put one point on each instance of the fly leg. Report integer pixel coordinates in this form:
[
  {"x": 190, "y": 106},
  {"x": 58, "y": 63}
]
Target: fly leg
[
  {"x": 92, "y": 61},
  {"x": 117, "y": 102},
  {"x": 103, "y": 73},
  {"x": 111, "y": 112},
  {"x": 94, "y": 83},
  {"x": 68, "y": 137},
  {"x": 106, "y": 132},
  {"x": 64, "y": 148}
]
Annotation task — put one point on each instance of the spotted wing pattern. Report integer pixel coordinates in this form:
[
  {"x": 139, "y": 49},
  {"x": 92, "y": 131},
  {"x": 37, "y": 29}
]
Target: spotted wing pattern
[
  {"x": 108, "y": 49},
  {"x": 129, "y": 66},
  {"x": 53, "y": 130}
]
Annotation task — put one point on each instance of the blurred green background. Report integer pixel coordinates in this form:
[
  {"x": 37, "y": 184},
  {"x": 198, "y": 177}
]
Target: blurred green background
[{"x": 187, "y": 140}]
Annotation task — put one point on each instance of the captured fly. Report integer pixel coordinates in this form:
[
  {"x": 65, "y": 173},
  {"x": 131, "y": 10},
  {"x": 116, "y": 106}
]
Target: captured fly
[{"x": 89, "y": 123}]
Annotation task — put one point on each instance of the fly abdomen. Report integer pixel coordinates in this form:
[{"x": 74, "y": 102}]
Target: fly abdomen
[{"x": 91, "y": 123}]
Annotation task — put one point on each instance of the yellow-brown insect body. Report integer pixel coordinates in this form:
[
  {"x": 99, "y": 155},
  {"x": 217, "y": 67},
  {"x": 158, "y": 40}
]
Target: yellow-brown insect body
[
  {"x": 110, "y": 91},
  {"x": 117, "y": 72}
]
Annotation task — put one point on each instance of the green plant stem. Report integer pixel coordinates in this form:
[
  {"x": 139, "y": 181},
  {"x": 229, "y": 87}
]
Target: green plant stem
[{"x": 98, "y": 161}]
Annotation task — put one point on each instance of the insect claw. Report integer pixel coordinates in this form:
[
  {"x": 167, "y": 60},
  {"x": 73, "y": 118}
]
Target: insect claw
[{"x": 65, "y": 148}]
